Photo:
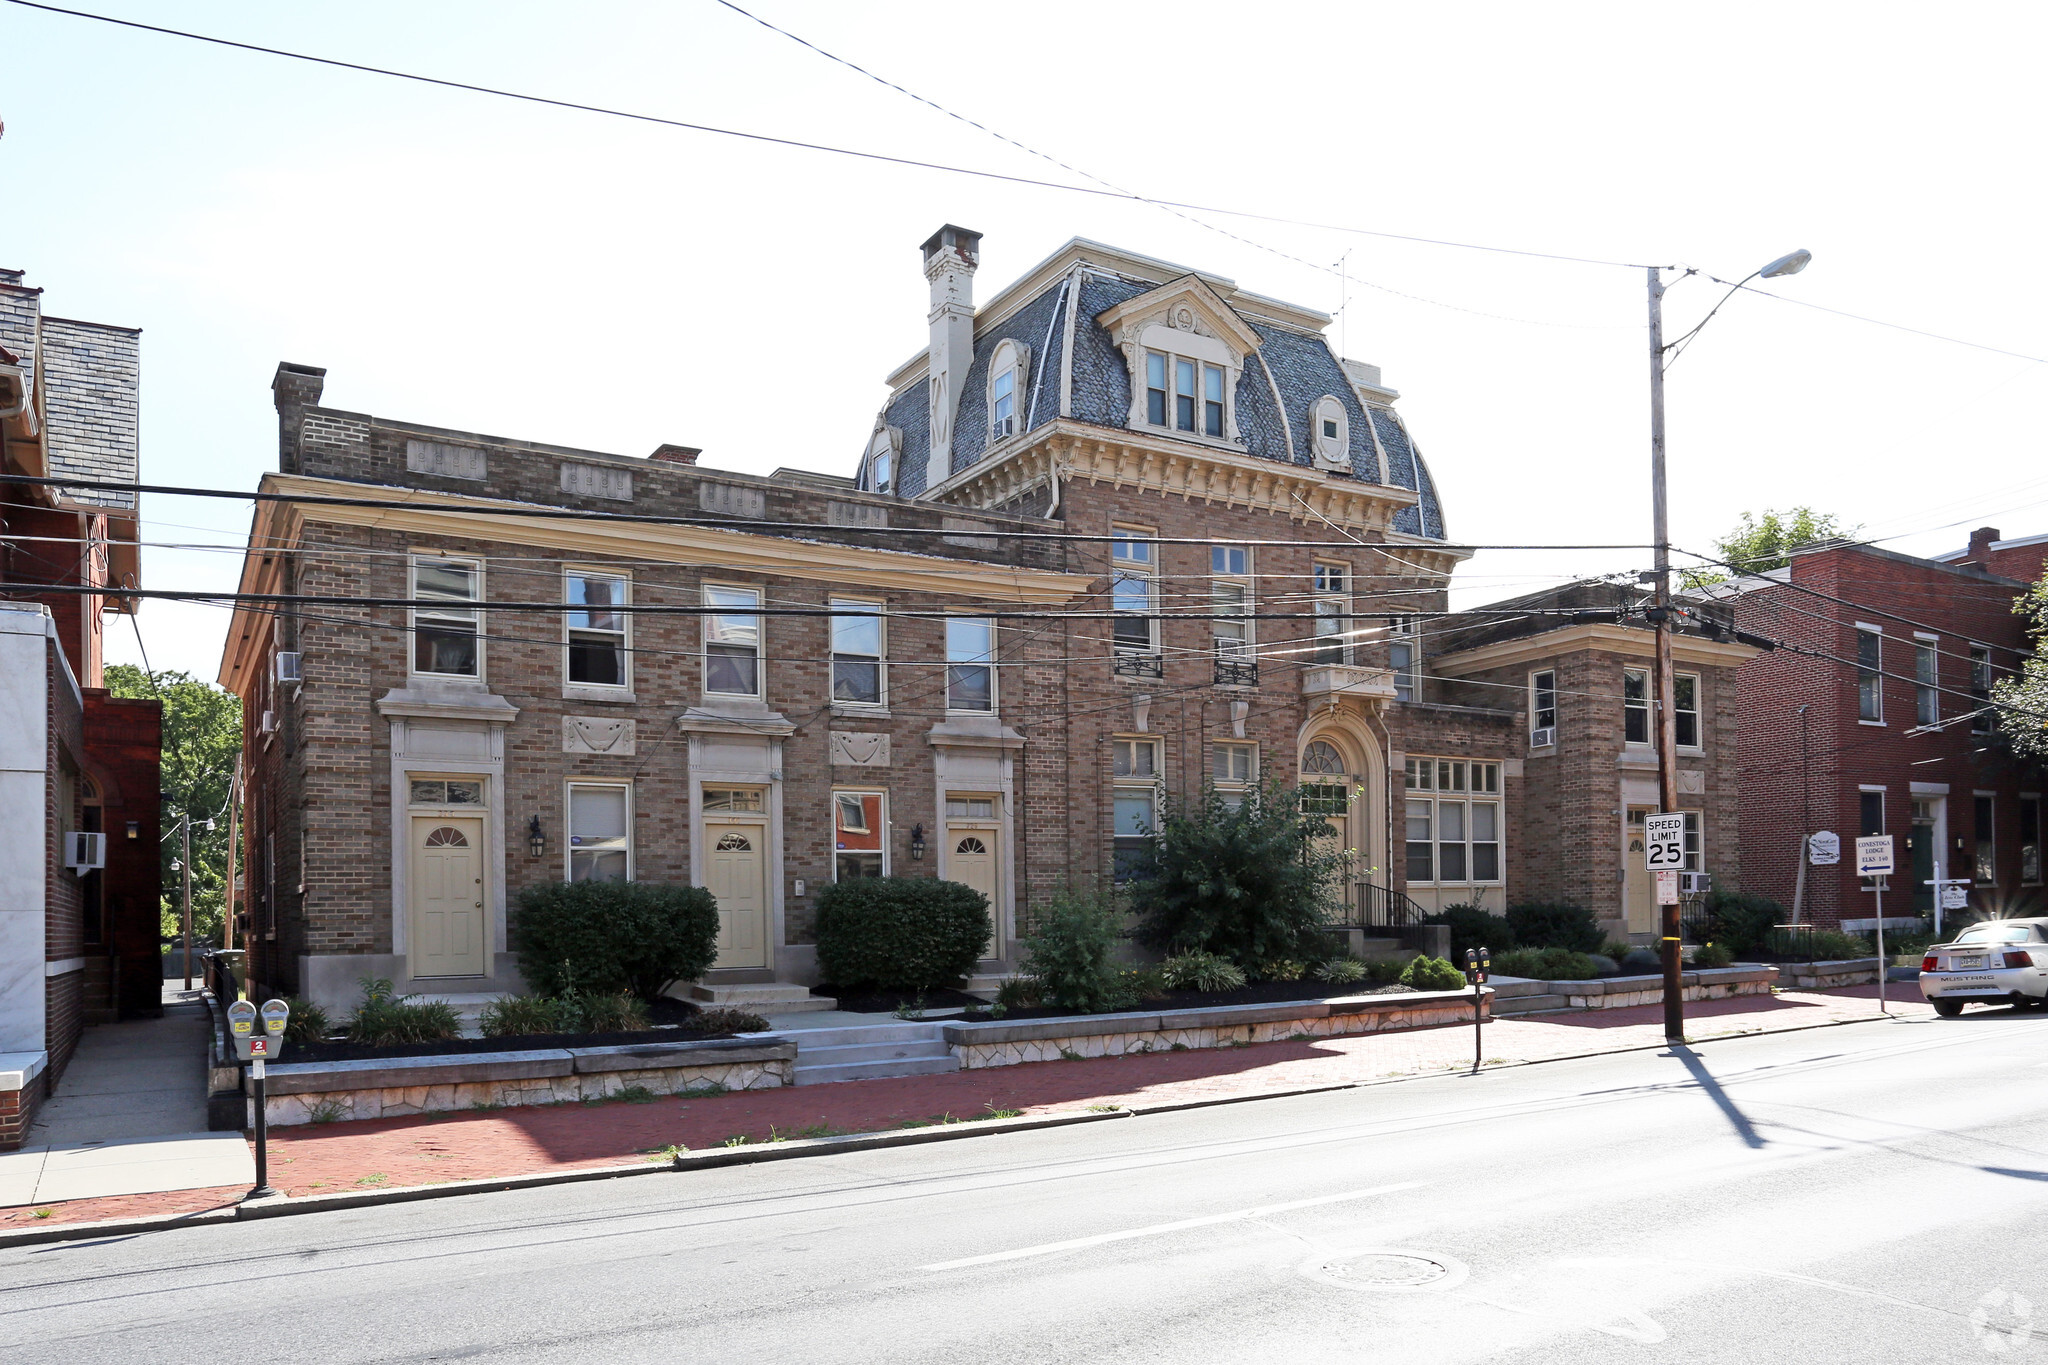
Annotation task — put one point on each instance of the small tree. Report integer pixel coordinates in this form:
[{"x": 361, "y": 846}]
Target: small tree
[
  {"x": 1073, "y": 944},
  {"x": 1253, "y": 883},
  {"x": 606, "y": 937},
  {"x": 1767, "y": 542},
  {"x": 2022, "y": 702}
]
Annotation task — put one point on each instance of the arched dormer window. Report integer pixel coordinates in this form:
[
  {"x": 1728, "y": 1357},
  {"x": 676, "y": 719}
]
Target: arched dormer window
[
  {"x": 1008, "y": 386},
  {"x": 880, "y": 471},
  {"x": 1329, "y": 434}
]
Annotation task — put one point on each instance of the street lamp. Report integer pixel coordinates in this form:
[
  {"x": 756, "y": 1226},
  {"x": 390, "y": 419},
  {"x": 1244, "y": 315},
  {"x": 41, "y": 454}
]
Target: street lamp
[{"x": 1660, "y": 612}]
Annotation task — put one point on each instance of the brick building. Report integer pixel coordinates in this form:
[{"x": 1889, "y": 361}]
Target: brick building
[
  {"x": 1120, "y": 532},
  {"x": 1876, "y": 719},
  {"x": 78, "y": 941}
]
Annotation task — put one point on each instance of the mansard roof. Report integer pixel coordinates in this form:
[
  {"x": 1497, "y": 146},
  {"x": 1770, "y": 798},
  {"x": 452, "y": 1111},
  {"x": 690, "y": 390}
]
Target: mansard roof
[{"x": 1289, "y": 366}]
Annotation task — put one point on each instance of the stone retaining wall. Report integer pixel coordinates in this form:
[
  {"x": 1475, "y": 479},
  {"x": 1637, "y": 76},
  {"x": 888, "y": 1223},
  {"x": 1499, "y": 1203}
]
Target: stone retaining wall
[
  {"x": 1619, "y": 992},
  {"x": 1825, "y": 976},
  {"x": 397, "y": 1086},
  {"x": 1113, "y": 1035}
]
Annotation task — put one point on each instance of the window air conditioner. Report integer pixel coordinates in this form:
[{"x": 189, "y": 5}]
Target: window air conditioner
[
  {"x": 1695, "y": 883},
  {"x": 84, "y": 851},
  {"x": 288, "y": 667},
  {"x": 269, "y": 723},
  {"x": 1542, "y": 738},
  {"x": 1002, "y": 427}
]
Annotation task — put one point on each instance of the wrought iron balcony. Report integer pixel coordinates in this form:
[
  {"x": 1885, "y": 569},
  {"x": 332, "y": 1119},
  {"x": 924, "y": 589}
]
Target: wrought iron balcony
[
  {"x": 1235, "y": 666},
  {"x": 1138, "y": 666}
]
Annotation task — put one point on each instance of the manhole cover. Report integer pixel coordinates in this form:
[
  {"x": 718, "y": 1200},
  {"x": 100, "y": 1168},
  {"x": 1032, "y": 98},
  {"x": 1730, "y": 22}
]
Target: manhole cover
[{"x": 1387, "y": 1270}]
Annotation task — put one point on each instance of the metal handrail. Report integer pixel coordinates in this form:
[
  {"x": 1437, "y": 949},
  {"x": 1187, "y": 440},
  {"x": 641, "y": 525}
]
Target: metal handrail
[{"x": 1368, "y": 905}]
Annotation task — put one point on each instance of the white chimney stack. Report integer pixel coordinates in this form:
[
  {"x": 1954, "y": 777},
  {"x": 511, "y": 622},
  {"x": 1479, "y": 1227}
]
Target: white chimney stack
[{"x": 950, "y": 256}]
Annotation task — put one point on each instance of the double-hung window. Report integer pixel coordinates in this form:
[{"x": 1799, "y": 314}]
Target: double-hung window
[
  {"x": 1986, "y": 857},
  {"x": 1870, "y": 812},
  {"x": 446, "y": 627},
  {"x": 1233, "y": 768},
  {"x": 1404, "y": 658},
  {"x": 1869, "y": 674},
  {"x": 1135, "y": 632},
  {"x": 1332, "y": 584},
  {"x": 1542, "y": 708},
  {"x": 732, "y": 641},
  {"x": 1230, "y": 598},
  {"x": 1183, "y": 394},
  {"x": 1685, "y": 709},
  {"x": 1002, "y": 404},
  {"x": 1453, "y": 818},
  {"x": 1980, "y": 689},
  {"x": 1635, "y": 706},
  {"x": 1637, "y": 709},
  {"x": 600, "y": 832},
  {"x": 857, "y": 835},
  {"x": 1926, "y": 680},
  {"x": 599, "y": 644},
  {"x": 970, "y": 663},
  {"x": 856, "y": 654},
  {"x": 1134, "y": 803}
]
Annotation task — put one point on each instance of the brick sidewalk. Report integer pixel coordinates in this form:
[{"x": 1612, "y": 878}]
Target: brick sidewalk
[{"x": 432, "y": 1149}]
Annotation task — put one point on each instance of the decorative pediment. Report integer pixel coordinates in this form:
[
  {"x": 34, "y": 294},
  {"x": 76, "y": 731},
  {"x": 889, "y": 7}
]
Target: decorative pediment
[{"x": 1186, "y": 306}]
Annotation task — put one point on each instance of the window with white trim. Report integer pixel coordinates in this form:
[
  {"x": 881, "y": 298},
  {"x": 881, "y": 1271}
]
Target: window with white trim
[
  {"x": 1869, "y": 675},
  {"x": 1635, "y": 706},
  {"x": 970, "y": 663},
  {"x": 1542, "y": 708},
  {"x": 1926, "y": 681},
  {"x": 1453, "y": 821},
  {"x": 1134, "y": 803},
  {"x": 856, "y": 654},
  {"x": 732, "y": 641},
  {"x": 2030, "y": 839},
  {"x": 600, "y": 832},
  {"x": 1980, "y": 689},
  {"x": 1332, "y": 606},
  {"x": 1329, "y": 433},
  {"x": 447, "y": 628},
  {"x": 1636, "y": 709},
  {"x": 1133, "y": 560},
  {"x": 1007, "y": 384},
  {"x": 1233, "y": 767},
  {"x": 1404, "y": 657},
  {"x": 1183, "y": 394},
  {"x": 599, "y": 635},
  {"x": 1685, "y": 709},
  {"x": 859, "y": 834},
  {"x": 1230, "y": 598}
]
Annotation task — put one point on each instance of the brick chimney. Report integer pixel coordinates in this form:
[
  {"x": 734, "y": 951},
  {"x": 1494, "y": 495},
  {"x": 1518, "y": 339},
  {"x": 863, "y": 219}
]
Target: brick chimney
[
  {"x": 1981, "y": 541},
  {"x": 950, "y": 257},
  {"x": 676, "y": 454},
  {"x": 294, "y": 389}
]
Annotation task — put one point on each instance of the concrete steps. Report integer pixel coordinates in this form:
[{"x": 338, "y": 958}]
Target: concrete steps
[
  {"x": 763, "y": 997},
  {"x": 864, "y": 1052}
]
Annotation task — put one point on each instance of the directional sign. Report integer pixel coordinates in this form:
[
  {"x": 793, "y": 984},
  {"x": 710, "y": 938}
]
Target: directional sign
[
  {"x": 1824, "y": 848},
  {"x": 1873, "y": 855},
  {"x": 1664, "y": 841}
]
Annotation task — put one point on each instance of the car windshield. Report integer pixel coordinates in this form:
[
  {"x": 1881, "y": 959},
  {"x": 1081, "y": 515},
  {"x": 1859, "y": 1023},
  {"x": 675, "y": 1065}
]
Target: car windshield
[{"x": 1996, "y": 933}]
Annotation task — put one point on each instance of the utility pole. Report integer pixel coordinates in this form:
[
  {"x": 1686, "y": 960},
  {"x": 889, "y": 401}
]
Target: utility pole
[
  {"x": 185, "y": 872},
  {"x": 1666, "y": 687}
]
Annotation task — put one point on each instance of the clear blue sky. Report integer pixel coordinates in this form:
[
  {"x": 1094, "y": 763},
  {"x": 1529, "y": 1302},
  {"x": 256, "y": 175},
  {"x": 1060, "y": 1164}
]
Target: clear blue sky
[{"x": 467, "y": 262}]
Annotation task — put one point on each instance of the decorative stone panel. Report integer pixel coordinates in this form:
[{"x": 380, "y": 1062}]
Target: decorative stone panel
[
  {"x": 732, "y": 500},
  {"x": 597, "y": 735},
  {"x": 597, "y": 481},
  {"x": 855, "y": 749},
  {"x": 856, "y": 514},
  {"x": 438, "y": 457}
]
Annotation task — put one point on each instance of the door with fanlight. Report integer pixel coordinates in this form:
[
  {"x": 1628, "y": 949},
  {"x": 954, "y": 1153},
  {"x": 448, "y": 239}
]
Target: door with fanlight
[
  {"x": 1329, "y": 793},
  {"x": 974, "y": 847},
  {"x": 1639, "y": 887},
  {"x": 447, "y": 896},
  {"x": 735, "y": 864}
]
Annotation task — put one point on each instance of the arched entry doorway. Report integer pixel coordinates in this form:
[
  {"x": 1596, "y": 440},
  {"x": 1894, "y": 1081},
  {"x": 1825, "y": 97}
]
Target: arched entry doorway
[{"x": 1341, "y": 784}]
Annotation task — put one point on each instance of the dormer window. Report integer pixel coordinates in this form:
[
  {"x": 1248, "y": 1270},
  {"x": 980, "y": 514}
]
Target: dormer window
[
  {"x": 883, "y": 447},
  {"x": 1330, "y": 433},
  {"x": 1195, "y": 398},
  {"x": 1007, "y": 377},
  {"x": 1003, "y": 405},
  {"x": 881, "y": 471}
]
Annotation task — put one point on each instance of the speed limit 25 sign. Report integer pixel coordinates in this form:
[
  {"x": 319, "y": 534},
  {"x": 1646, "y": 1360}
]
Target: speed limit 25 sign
[{"x": 1664, "y": 841}]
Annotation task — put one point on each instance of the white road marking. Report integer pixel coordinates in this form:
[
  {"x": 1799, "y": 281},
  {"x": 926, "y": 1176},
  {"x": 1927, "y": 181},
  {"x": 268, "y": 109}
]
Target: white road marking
[{"x": 1241, "y": 1215}]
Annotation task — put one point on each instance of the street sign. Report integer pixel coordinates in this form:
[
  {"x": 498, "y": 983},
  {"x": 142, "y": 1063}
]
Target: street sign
[
  {"x": 1667, "y": 886},
  {"x": 1664, "y": 842},
  {"x": 1873, "y": 855},
  {"x": 1824, "y": 848}
]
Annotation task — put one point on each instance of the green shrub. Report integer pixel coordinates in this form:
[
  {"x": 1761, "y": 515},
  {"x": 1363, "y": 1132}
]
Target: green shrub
[
  {"x": 1139, "y": 984},
  {"x": 900, "y": 933},
  {"x": 618, "y": 1012},
  {"x": 1072, "y": 942},
  {"x": 514, "y": 1015},
  {"x": 386, "y": 1019},
  {"x": 1427, "y": 973},
  {"x": 1713, "y": 955},
  {"x": 1252, "y": 883},
  {"x": 1384, "y": 971},
  {"x": 1616, "y": 949},
  {"x": 1641, "y": 961},
  {"x": 1828, "y": 945},
  {"x": 1018, "y": 993},
  {"x": 307, "y": 1022},
  {"x": 1472, "y": 927},
  {"x": 641, "y": 937},
  {"x": 1341, "y": 971},
  {"x": 1567, "y": 926},
  {"x": 1282, "y": 969},
  {"x": 1546, "y": 964},
  {"x": 1199, "y": 971},
  {"x": 727, "y": 1021},
  {"x": 1741, "y": 921}
]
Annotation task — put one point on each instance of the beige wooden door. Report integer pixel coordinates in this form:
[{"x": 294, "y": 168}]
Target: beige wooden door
[
  {"x": 447, "y": 897},
  {"x": 1639, "y": 888},
  {"x": 735, "y": 872},
  {"x": 973, "y": 861}
]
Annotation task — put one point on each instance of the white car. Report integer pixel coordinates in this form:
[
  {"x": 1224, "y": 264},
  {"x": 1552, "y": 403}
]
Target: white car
[{"x": 1995, "y": 962}]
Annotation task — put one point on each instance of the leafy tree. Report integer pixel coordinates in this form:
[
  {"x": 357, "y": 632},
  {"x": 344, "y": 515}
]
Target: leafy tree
[
  {"x": 1252, "y": 883},
  {"x": 201, "y": 737},
  {"x": 1767, "y": 542},
  {"x": 2022, "y": 717}
]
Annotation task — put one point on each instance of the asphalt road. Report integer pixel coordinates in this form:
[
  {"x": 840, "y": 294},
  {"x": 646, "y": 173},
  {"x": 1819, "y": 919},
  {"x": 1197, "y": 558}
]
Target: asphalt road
[{"x": 1876, "y": 1191}]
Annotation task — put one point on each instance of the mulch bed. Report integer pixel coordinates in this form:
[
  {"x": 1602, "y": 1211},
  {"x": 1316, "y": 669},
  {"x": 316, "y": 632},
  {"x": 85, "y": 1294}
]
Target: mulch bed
[
  {"x": 1257, "y": 993},
  {"x": 888, "y": 1002},
  {"x": 675, "y": 1021}
]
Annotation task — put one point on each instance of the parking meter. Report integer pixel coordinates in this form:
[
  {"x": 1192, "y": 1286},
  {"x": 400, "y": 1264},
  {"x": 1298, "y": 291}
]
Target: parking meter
[
  {"x": 242, "y": 1028},
  {"x": 258, "y": 1036},
  {"x": 1478, "y": 963}
]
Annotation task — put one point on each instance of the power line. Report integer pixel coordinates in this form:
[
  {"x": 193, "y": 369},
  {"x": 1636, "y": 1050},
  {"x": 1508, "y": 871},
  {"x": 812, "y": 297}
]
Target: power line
[{"x": 1880, "y": 322}]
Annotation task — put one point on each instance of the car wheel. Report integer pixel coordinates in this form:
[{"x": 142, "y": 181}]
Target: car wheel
[{"x": 1947, "y": 1009}]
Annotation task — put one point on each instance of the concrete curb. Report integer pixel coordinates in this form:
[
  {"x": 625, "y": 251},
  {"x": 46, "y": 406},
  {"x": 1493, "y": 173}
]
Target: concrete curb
[{"x": 754, "y": 1153}]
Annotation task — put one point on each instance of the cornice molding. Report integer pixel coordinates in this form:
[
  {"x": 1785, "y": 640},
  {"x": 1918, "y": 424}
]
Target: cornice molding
[{"x": 1632, "y": 641}]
